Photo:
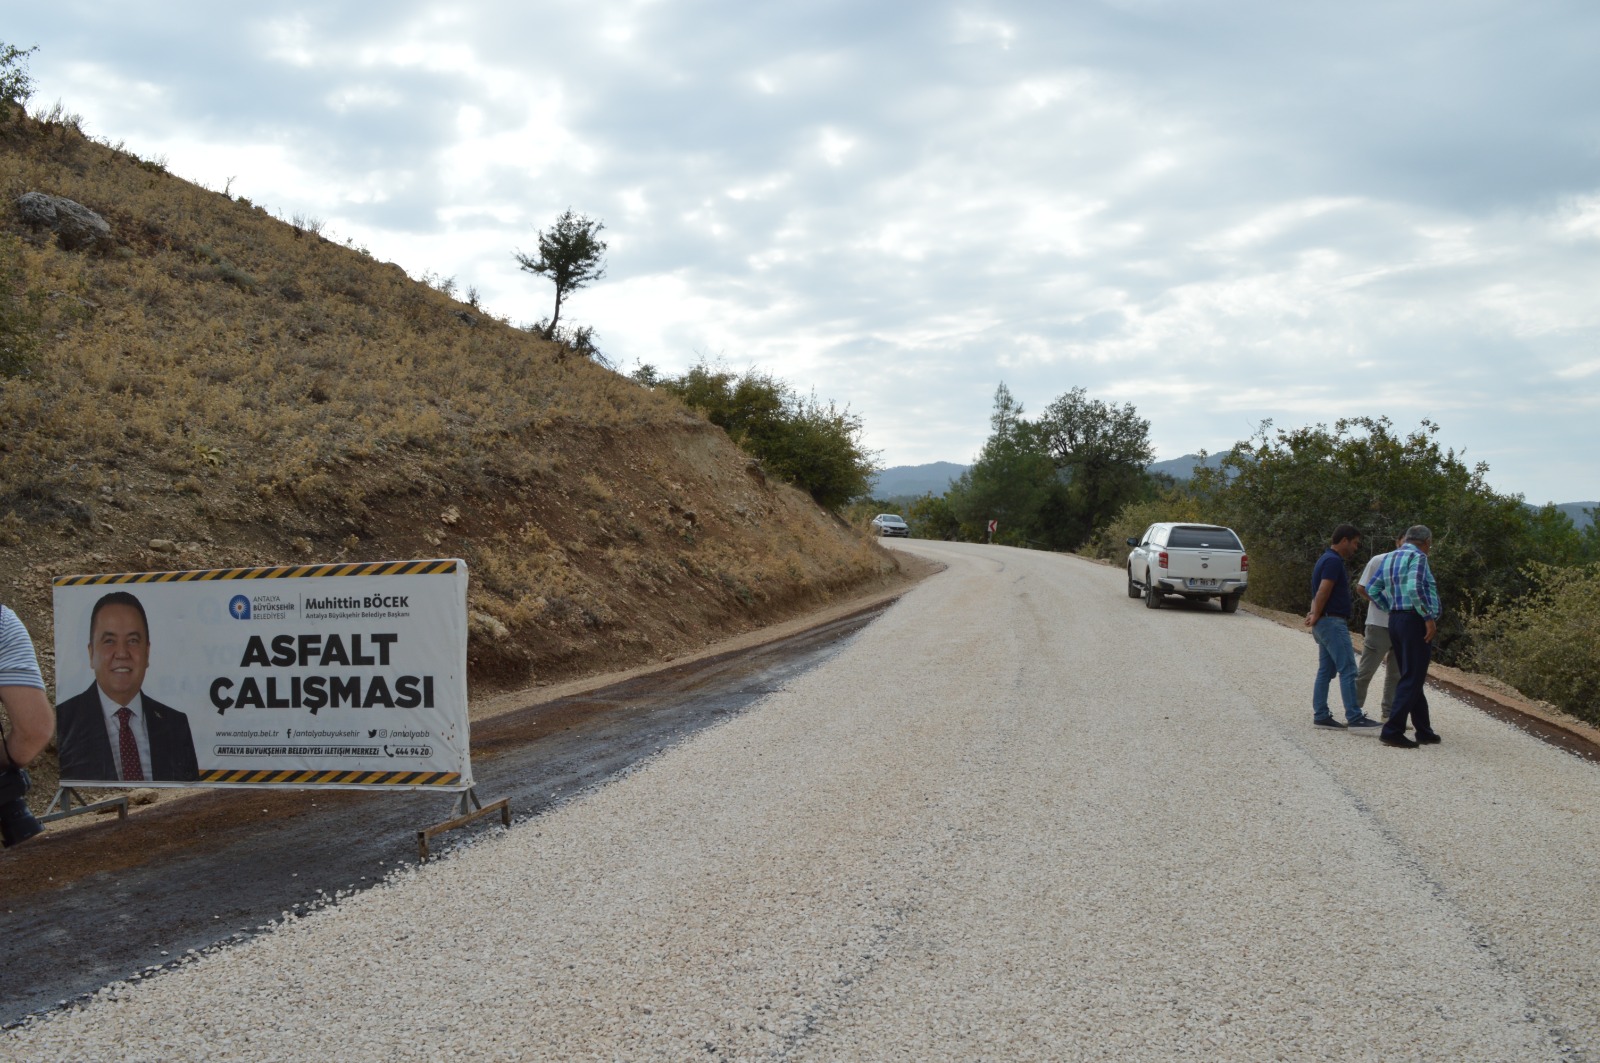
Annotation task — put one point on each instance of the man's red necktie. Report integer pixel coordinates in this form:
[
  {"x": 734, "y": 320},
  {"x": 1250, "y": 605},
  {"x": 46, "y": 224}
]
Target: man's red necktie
[{"x": 131, "y": 771}]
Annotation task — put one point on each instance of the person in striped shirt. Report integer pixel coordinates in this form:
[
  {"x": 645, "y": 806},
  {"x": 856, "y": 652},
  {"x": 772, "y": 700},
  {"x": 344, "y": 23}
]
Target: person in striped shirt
[
  {"x": 1405, "y": 588},
  {"x": 22, "y": 694}
]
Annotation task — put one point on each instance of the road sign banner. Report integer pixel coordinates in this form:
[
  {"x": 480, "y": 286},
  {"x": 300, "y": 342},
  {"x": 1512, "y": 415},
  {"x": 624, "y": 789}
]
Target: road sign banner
[{"x": 330, "y": 676}]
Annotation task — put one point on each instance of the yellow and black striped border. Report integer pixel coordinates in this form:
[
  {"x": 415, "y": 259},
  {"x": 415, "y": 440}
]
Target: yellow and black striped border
[
  {"x": 432, "y": 567},
  {"x": 334, "y": 778}
]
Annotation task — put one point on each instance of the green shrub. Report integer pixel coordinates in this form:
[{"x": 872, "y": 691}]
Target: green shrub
[
  {"x": 1284, "y": 491},
  {"x": 228, "y": 273},
  {"x": 1111, "y": 544},
  {"x": 1546, "y": 643},
  {"x": 931, "y": 517},
  {"x": 812, "y": 444}
]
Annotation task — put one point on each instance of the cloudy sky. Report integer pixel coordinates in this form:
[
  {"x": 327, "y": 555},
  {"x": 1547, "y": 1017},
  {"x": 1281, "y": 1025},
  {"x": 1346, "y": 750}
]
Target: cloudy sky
[{"x": 1222, "y": 212}]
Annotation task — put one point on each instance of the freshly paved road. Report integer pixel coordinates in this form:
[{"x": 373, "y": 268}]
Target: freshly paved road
[{"x": 1018, "y": 817}]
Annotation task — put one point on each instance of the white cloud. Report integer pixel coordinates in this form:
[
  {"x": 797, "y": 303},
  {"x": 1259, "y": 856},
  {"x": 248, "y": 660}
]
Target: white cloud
[
  {"x": 1579, "y": 218},
  {"x": 1221, "y": 214},
  {"x": 834, "y": 146},
  {"x": 974, "y": 28},
  {"x": 1580, "y": 371},
  {"x": 358, "y": 97},
  {"x": 289, "y": 40}
]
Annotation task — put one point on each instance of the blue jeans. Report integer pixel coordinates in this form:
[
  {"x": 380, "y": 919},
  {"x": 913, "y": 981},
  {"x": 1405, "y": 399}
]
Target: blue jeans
[{"x": 1335, "y": 654}]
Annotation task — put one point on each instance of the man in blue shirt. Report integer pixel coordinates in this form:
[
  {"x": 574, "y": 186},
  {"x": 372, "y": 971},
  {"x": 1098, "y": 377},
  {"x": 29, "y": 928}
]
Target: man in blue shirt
[
  {"x": 1406, "y": 588},
  {"x": 1329, "y": 621}
]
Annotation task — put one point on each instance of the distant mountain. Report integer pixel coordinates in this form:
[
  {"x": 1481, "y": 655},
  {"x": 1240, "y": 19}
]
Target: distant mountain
[
  {"x": 1575, "y": 510},
  {"x": 903, "y": 481},
  {"x": 910, "y": 481},
  {"x": 1183, "y": 468}
]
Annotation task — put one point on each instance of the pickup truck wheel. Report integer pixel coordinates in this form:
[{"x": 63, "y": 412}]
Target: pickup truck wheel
[
  {"x": 1133, "y": 588},
  {"x": 1152, "y": 593},
  {"x": 1230, "y": 603}
]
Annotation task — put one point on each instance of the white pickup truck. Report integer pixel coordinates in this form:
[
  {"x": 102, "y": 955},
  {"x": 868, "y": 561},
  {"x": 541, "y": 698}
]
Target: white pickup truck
[{"x": 1198, "y": 561}]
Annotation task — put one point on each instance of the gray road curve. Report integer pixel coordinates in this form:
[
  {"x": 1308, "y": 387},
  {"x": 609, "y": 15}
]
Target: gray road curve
[{"x": 1018, "y": 817}]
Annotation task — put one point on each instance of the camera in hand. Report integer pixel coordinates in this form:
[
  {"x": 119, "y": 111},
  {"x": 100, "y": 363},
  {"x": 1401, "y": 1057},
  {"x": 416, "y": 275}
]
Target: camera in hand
[{"x": 17, "y": 824}]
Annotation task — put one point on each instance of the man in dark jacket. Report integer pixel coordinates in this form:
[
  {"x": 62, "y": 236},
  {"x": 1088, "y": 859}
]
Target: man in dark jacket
[{"x": 113, "y": 732}]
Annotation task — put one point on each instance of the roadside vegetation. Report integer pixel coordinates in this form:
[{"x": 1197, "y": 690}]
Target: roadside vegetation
[
  {"x": 812, "y": 444},
  {"x": 1283, "y": 490},
  {"x": 1546, "y": 643},
  {"x": 214, "y": 385}
]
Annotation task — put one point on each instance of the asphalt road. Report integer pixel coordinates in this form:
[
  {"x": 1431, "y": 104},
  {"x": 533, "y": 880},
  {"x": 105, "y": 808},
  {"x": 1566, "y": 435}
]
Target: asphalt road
[{"x": 1018, "y": 816}]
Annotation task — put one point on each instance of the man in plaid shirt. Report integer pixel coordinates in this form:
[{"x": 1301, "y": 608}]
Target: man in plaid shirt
[{"x": 1406, "y": 589}]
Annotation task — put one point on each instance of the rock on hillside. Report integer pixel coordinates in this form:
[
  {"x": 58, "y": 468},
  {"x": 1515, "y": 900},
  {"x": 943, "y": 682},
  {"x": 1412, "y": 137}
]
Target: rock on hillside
[
  {"x": 77, "y": 228},
  {"x": 214, "y": 387}
]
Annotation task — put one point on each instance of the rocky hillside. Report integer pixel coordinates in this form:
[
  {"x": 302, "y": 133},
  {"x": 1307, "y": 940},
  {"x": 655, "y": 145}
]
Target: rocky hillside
[{"x": 205, "y": 385}]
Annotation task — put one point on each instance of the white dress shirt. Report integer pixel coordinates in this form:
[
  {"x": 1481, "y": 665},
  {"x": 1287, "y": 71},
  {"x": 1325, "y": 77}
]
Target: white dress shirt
[
  {"x": 141, "y": 736},
  {"x": 1375, "y": 617}
]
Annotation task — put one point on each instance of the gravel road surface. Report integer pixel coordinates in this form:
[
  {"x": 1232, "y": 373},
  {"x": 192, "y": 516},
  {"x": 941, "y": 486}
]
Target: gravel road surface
[
  {"x": 1018, "y": 817},
  {"x": 100, "y": 901}
]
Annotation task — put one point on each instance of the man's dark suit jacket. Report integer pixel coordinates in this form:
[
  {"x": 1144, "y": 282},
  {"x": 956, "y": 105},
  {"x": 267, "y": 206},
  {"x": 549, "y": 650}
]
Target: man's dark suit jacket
[{"x": 85, "y": 747}]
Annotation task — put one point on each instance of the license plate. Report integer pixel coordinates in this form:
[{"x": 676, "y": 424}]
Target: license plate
[{"x": 1202, "y": 583}]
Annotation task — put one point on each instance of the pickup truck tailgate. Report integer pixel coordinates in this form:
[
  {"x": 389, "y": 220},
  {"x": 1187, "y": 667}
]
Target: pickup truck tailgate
[{"x": 1203, "y": 568}]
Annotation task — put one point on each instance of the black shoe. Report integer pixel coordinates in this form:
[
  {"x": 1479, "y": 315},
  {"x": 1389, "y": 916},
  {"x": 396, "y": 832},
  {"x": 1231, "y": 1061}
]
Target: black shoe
[
  {"x": 1364, "y": 723},
  {"x": 1398, "y": 741},
  {"x": 1429, "y": 739},
  {"x": 1330, "y": 723}
]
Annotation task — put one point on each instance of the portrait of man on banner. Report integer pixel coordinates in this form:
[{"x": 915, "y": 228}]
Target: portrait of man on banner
[{"x": 113, "y": 731}]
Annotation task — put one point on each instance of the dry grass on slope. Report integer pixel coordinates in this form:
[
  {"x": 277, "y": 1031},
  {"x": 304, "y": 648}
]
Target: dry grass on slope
[
  {"x": 214, "y": 337},
  {"x": 221, "y": 388}
]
